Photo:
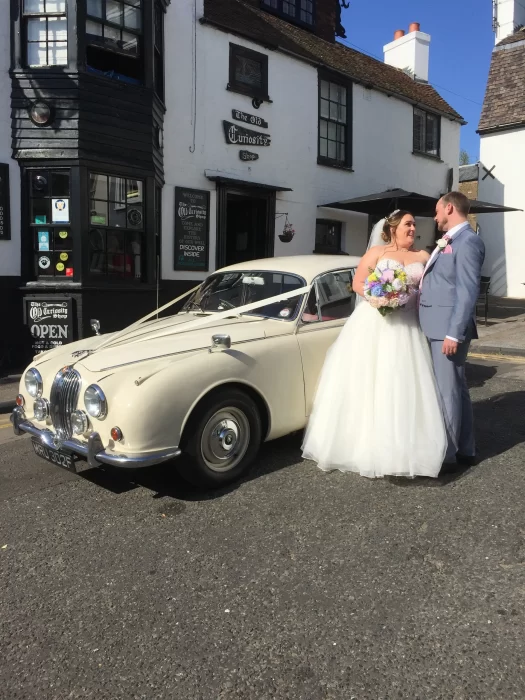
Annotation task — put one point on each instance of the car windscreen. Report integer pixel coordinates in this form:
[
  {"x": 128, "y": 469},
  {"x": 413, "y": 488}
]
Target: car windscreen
[{"x": 231, "y": 290}]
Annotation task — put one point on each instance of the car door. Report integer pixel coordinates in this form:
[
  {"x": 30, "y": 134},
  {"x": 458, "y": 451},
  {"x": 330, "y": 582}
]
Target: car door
[{"x": 329, "y": 304}]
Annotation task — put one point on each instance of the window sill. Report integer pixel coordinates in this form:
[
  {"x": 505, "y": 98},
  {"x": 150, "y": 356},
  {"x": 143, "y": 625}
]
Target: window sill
[
  {"x": 332, "y": 164},
  {"x": 428, "y": 156},
  {"x": 252, "y": 94}
]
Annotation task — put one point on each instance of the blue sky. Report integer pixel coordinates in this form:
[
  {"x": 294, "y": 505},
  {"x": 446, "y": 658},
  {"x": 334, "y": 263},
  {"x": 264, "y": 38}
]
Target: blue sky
[{"x": 460, "y": 49}]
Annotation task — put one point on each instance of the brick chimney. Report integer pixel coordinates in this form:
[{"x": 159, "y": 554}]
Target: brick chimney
[{"x": 409, "y": 52}]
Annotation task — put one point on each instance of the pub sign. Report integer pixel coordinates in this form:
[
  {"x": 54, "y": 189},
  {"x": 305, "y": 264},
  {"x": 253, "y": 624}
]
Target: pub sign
[
  {"x": 50, "y": 321},
  {"x": 192, "y": 226}
]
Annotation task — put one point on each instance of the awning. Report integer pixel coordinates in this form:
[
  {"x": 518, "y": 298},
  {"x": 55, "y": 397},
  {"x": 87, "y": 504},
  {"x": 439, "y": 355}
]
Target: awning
[
  {"x": 224, "y": 178},
  {"x": 383, "y": 203}
]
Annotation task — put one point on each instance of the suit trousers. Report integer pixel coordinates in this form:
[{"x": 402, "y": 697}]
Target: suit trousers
[{"x": 455, "y": 399}]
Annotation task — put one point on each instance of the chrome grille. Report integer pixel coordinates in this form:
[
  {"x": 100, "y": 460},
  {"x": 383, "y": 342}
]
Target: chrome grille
[{"x": 63, "y": 399}]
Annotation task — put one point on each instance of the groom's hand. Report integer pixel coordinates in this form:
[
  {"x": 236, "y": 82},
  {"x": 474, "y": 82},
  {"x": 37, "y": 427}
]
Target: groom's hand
[{"x": 450, "y": 347}]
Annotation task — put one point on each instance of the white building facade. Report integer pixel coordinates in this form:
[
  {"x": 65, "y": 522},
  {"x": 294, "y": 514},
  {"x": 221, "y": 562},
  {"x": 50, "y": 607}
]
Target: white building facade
[{"x": 502, "y": 147}]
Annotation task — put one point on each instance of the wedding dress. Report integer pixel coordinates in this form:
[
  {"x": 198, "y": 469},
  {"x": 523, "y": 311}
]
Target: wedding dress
[{"x": 376, "y": 410}]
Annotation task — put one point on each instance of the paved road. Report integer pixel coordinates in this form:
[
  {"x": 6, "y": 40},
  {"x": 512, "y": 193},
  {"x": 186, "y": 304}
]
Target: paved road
[{"x": 294, "y": 584}]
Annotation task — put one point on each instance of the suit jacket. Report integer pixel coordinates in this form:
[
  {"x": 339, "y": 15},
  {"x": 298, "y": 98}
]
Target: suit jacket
[{"x": 450, "y": 289}]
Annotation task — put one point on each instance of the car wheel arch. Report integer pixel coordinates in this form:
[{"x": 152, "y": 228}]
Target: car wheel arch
[{"x": 254, "y": 394}]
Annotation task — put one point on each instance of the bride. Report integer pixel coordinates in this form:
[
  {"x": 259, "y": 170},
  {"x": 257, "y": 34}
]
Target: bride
[{"x": 376, "y": 410}]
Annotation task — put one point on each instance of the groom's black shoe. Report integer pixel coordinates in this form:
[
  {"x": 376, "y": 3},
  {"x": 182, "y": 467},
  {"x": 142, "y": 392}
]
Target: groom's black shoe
[{"x": 466, "y": 460}]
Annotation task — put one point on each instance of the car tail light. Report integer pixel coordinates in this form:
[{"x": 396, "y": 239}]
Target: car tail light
[
  {"x": 20, "y": 400},
  {"x": 116, "y": 434}
]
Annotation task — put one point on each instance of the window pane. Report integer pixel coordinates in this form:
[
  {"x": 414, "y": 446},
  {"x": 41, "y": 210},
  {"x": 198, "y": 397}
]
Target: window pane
[
  {"x": 117, "y": 189},
  {"x": 57, "y": 29},
  {"x": 117, "y": 260},
  {"x": 60, "y": 184},
  {"x": 98, "y": 186},
  {"x": 419, "y": 130},
  {"x": 325, "y": 108},
  {"x": 57, "y": 53},
  {"x": 37, "y": 54},
  {"x": 55, "y": 5},
  {"x": 132, "y": 17},
  {"x": 112, "y": 33},
  {"x": 323, "y": 128},
  {"x": 431, "y": 145},
  {"x": 332, "y": 150},
  {"x": 114, "y": 11},
  {"x": 93, "y": 28},
  {"x": 117, "y": 215},
  {"x": 248, "y": 71},
  {"x": 94, "y": 7},
  {"x": 332, "y": 131},
  {"x": 97, "y": 248},
  {"x": 289, "y": 7},
  {"x": 342, "y": 152},
  {"x": 325, "y": 89},
  {"x": 323, "y": 148},
  {"x": 40, "y": 211},
  {"x": 34, "y": 6},
  {"x": 99, "y": 213},
  {"x": 342, "y": 114},
  {"x": 334, "y": 110},
  {"x": 135, "y": 3},
  {"x": 134, "y": 191},
  {"x": 130, "y": 42},
  {"x": 134, "y": 250},
  {"x": 36, "y": 29}
]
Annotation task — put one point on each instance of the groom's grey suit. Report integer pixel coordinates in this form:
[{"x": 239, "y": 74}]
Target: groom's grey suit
[{"x": 447, "y": 308}]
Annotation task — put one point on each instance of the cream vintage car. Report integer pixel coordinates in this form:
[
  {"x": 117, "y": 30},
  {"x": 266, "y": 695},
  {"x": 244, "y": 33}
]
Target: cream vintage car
[{"x": 238, "y": 365}]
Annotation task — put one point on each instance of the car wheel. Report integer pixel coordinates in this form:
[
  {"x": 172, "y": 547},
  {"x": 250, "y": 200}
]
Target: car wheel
[{"x": 223, "y": 441}]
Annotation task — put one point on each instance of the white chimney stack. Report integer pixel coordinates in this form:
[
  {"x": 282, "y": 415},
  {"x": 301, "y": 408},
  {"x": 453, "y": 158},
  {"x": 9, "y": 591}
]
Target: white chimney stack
[
  {"x": 409, "y": 52},
  {"x": 508, "y": 14}
]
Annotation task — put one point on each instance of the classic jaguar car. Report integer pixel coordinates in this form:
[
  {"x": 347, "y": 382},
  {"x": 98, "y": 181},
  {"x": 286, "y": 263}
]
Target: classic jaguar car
[{"x": 236, "y": 366}]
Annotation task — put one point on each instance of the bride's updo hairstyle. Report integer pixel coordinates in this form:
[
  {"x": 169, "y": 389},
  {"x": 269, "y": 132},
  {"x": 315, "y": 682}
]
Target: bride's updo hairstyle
[{"x": 392, "y": 222}]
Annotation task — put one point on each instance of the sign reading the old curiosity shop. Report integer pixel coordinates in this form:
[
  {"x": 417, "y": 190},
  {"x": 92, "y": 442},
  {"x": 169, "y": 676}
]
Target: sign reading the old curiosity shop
[
  {"x": 192, "y": 222},
  {"x": 251, "y": 119},
  {"x": 239, "y": 136},
  {"x": 50, "y": 322},
  {"x": 5, "y": 218}
]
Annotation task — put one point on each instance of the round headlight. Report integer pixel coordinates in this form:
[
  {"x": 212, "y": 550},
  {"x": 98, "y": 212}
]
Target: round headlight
[
  {"x": 79, "y": 422},
  {"x": 33, "y": 382},
  {"x": 41, "y": 409},
  {"x": 95, "y": 402}
]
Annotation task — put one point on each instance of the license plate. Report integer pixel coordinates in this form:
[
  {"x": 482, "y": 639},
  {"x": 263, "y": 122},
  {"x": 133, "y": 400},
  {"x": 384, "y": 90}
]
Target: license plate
[{"x": 61, "y": 459}]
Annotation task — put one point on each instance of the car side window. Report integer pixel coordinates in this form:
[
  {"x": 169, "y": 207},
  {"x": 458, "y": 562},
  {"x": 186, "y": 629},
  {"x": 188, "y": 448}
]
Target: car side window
[{"x": 331, "y": 298}]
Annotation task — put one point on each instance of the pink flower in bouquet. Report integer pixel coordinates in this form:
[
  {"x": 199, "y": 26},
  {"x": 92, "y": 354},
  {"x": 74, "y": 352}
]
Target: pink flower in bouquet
[{"x": 387, "y": 276}]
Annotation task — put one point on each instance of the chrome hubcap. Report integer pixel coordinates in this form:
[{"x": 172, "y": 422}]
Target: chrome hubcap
[{"x": 225, "y": 439}]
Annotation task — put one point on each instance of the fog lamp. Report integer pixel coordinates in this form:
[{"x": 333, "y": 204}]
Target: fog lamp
[
  {"x": 79, "y": 422},
  {"x": 41, "y": 409}
]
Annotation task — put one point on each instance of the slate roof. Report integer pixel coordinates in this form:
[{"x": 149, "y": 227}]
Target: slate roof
[
  {"x": 504, "y": 103},
  {"x": 468, "y": 173},
  {"x": 272, "y": 32}
]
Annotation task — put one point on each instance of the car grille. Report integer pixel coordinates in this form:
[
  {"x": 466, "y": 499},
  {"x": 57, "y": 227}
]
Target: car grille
[{"x": 63, "y": 399}]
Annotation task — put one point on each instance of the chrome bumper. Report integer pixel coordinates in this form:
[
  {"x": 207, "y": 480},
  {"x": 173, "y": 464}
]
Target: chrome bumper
[{"x": 94, "y": 451}]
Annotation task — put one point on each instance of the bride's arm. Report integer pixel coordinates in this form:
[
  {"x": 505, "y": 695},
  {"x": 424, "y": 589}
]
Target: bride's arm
[{"x": 369, "y": 260}]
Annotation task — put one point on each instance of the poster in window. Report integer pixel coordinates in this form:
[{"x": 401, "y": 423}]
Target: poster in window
[
  {"x": 60, "y": 211},
  {"x": 192, "y": 221},
  {"x": 50, "y": 321}
]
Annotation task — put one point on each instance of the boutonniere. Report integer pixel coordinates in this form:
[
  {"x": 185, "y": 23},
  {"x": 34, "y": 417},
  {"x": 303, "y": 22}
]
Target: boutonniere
[{"x": 443, "y": 242}]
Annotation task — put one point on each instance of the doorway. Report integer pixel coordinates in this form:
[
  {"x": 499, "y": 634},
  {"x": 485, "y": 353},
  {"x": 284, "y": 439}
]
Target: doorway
[{"x": 246, "y": 225}]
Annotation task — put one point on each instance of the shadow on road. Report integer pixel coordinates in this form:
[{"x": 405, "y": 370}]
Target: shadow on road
[
  {"x": 165, "y": 481},
  {"x": 479, "y": 375}
]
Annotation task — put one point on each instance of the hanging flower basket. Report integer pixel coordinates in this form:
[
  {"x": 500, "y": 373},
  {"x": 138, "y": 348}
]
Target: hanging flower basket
[{"x": 288, "y": 232}]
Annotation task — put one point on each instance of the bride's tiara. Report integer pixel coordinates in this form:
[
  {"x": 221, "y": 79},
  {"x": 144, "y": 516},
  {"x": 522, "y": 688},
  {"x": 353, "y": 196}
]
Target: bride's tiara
[{"x": 392, "y": 214}]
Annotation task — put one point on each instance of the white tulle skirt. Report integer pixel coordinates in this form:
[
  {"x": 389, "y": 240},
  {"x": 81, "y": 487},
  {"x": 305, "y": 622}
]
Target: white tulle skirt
[{"x": 377, "y": 410}]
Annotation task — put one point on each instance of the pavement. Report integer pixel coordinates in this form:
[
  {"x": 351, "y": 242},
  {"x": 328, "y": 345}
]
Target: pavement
[
  {"x": 504, "y": 333},
  {"x": 291, "y": 585}
]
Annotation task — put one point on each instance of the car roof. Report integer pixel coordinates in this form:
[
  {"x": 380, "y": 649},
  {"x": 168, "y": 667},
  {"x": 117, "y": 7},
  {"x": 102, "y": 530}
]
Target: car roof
[{"x": 307, "y": 266}]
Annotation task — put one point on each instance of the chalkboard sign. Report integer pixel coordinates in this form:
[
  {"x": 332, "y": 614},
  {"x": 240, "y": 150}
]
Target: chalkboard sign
[
  {"x": 50, "y": 321},
  {"x": 192, "y": 224},
  {"x": 5, "y": 215}
]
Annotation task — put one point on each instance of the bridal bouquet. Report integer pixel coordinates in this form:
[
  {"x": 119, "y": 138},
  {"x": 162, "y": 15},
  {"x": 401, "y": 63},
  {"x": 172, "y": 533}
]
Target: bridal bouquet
[{"x": 387, "y": 288}]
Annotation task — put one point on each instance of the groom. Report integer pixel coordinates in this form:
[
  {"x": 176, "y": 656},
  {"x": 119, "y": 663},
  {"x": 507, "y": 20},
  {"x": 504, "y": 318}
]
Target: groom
[{"x": 447, "y": 312}]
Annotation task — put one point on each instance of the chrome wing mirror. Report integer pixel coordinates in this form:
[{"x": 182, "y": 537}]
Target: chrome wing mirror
[{"x": 95, "y": 326}]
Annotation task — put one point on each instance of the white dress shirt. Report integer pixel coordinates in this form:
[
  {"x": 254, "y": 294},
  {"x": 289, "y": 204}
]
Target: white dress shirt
[{"x": 451, "y": 235}]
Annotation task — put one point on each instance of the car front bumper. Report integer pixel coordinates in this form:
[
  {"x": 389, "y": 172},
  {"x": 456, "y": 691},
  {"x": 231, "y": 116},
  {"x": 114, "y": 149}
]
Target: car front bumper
[{"x": 93, "y": 451}]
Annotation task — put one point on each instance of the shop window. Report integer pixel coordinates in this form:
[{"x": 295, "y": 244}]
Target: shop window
[
  {"x": 248, "y": 72},
  {"x": 113, "y": 37},
  {"x": 426, "y": 133},
  {"x": 50, "y": 223},
  {"x": 334, "y": 123},
  {"x": 327, "y": 237},
  {"x": 116, "y": 217},
  {"x": 45, "y": 29},
  {"x": 301, "y": 11}
]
